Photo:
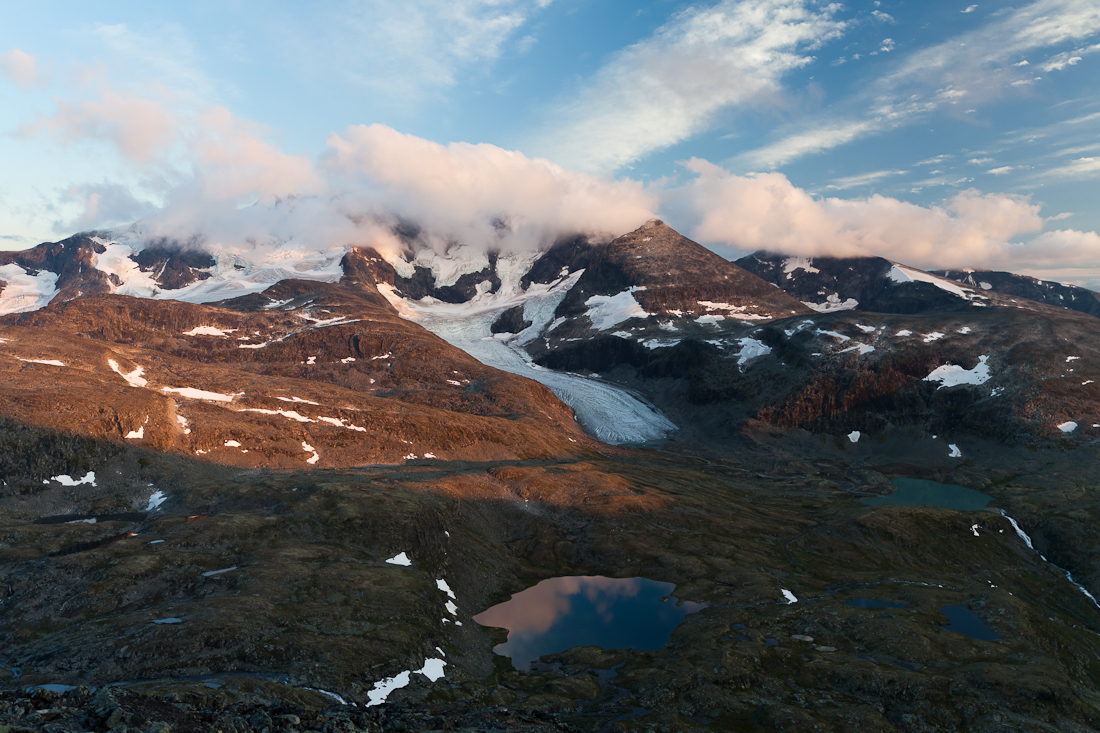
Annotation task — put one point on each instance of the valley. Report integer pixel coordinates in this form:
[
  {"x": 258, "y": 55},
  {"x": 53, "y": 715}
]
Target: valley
[{"x": 212, "y": 510}]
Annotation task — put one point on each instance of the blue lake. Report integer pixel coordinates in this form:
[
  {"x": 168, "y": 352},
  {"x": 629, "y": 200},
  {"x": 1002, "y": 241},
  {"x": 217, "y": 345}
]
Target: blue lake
[
  {"x": 611, "y": 613},
  {"x": 963, "y": 621},
  {"x": 916, "y": 492}
]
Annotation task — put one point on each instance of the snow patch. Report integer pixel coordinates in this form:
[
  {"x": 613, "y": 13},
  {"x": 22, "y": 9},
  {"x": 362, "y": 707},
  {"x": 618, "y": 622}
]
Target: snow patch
[
  {"x": 134, "y": 378},
  {"x": 952, "y": 375},
  {"x": 904, "y": 332},
  {"x": 863, "y": 348},
  {"x": 296, "y": 399},
  {"x": 155, "y": 500},
  {"x": 605, "y": 311},
  {"x": 200, "y": 394},
  {"x": 64, "y": 480},
  {"x": 212, "y": 573},
  {"x": 25, "y": 292},
  {"x": 1067, "y": 427},
  {"x": 854, "y": 436},
  {"x": 136, "y": 434},
  {"x": 209, "y": 331},
  {"x": 751, "y": 349},
  {"x": 832, "y": 303},
  {"x": 955, "y": 452},
  {"x": 310, "y": 449},
  {"x": 400, "y": 558},
  {"x": 791, "y": 597},
  {"x": 901, "y": 274},
  {"x": 798, "y": 263},
  {"x": 383, "y": 688},
  {"x": 934, "y": 336},
  {"x": 50, "y": 362}
]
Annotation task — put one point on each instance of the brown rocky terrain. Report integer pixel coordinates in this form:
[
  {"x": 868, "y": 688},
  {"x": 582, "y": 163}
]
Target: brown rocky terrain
[
  {"x": 670, "y": 274},
  {"x": 214, "y": 572}
]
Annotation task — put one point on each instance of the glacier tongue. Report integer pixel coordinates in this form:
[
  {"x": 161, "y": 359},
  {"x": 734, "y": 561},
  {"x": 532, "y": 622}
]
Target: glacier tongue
[{"x": 607, "y": 412}]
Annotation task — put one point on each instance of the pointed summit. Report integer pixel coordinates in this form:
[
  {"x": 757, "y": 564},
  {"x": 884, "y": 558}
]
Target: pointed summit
[{"x": 671, "y": 274}]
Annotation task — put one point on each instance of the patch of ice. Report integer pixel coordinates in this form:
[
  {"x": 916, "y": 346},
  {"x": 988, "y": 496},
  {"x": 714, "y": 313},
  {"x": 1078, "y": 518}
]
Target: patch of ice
[
  {"x": 134, "y": 378},
  {"x": 212, "y": 573},
  {"x": 451, "y": 608},
  {"x": 442, "y": 585},
  {"x": 200, "y": 394},
  {"x": 904, "y": 332},
  {"x": 232, "y": 444},
  {"x": 429, "y": 455},
  {"x": 1067, "y": 427},
  {"x": 964, "y": 330},
  {"x": 996, "y": 391},
  {"x": 605, "y": 311},
  {"x": 900, "y": 274},
  {"x": 64, "y": 480},
  {"x": 308, "y": 449},
  {"x": 347, "y": 360},
  {"x": 183, "y": 424},
  {"x": 326, "y": 693},
  {"x": 25, "y": 292},
  {"x": 863, "y": 348},
  {"x": 985, "y": 286},
  {"x": 82, "y": 521},
  {"x": 955, "y": 452},
  {"x": 49, "y": 362},
  {"x": 158, "y": 497},
  {"x": 934, "y": 336},
  {"x": 311, "y": 360},
  {"x": 791, "y": 597},
  {"x": 253, "y": 346},
  {"x": 866, "y": 329},
  {"x": 209, "y": 331},
  {"x": 854, "y": 436},
  {"x": 383, "y": 688},
  {"x": 951, "y": 375},
  {"x": 136, "y": 434},
  {"x": 974, "y": 529},
  {"x": 400, "y": 558},
  {"x": 1087, "y": 381}
]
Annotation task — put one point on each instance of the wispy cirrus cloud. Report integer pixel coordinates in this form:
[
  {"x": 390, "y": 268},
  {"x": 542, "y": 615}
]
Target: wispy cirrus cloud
[
  {"x": 668, "y": 87},
  {"x": 403, "y": 50},
  {"x": 977, "y": 67}
]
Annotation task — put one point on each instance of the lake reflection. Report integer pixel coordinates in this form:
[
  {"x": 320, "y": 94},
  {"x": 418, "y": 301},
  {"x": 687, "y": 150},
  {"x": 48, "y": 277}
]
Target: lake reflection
[{"x": 611, "y": 613}]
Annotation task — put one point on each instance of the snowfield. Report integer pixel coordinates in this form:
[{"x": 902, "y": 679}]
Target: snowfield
[{"x": 951, "y": 375}]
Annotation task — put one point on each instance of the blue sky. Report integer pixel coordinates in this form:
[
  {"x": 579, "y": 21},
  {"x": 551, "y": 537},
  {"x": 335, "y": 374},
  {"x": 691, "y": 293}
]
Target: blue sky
[{"x": 935, "y": 133}]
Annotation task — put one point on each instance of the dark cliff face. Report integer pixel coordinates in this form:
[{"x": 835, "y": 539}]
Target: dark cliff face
[
  {"x": 1042, "y": 291},
  {"x": 832, "y": 283},
  {"x": 565, "y": 256},
  {"x": 671, "y": 274}
]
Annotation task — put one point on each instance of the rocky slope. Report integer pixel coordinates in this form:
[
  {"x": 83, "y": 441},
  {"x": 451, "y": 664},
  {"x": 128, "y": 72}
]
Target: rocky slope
[{"x": 1022, "y": 286}]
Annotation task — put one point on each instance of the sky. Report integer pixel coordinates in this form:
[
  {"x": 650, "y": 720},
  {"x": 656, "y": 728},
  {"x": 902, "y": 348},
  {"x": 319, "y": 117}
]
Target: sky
[{"x": 938, "y": 134}]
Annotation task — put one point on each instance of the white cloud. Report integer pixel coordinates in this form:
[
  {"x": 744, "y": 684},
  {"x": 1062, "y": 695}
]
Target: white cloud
[
  {"x": 980, "y": 161},
  {"x": 1002, "y": 170},
  {"x": 1079, "y": 168},
  {"x": 887, "y": 45},
  {"x": 969, "y": 9},
  {"x": 22, "y": 69},
  {"x": 882, "y": 17},
  {"x": 138, "y": 126},
  {"x": 477, "y": 193},
  {"x": 766, "y": 211},
  {"x": 668, "y": 87}
]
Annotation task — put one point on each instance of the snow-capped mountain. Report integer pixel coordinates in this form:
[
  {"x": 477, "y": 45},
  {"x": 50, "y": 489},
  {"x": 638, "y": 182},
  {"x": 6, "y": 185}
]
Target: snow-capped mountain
[{"x": 1022, "y": 286}]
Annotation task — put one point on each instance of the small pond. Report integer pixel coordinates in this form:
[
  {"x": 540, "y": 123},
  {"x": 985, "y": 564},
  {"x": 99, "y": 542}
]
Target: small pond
[
  {"x": 611, "y": 613},
  {"x": 915, "y": 491},
  {"x": 963, "y": 621}
]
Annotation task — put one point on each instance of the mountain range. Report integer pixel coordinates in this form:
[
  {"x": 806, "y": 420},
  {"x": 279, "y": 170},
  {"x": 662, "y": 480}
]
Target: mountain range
[{"x": 241, "y": 439}]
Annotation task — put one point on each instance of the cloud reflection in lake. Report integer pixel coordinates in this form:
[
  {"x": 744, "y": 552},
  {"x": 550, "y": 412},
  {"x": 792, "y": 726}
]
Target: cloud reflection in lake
[{"x": 611, "y": 613}]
